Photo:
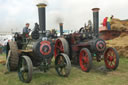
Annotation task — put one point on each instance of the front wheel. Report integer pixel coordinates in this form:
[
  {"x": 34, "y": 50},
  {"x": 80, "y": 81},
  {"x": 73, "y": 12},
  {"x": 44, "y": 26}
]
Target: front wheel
[
  {"x": 85, "y": 60},
  {"x": 25, "y": 69},
  {"x": 62, "y": 65},
  {"x": 111, "y": 58}
]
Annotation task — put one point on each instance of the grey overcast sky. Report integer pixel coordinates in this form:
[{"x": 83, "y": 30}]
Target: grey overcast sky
[{"x": 74, "y": 13}]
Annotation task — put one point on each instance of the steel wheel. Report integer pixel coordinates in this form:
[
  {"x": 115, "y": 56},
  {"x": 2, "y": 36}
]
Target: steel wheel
[
  {"x": 12, "y": 53},
  {"x": 25, "y": 69},
  {"x": 85, "y": 60},
  {"x": 111, "y": 58},
  {"x": 61, "y": 46},
  {"x": 63, "y": 65},
  {"x": 8, "y": 61}
]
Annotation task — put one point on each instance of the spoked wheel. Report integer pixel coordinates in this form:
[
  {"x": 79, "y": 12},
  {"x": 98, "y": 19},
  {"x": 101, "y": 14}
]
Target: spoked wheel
[
  {"x": 85, "y": 60},
  {"x": 25, "y": 69},
  {"x": 61, "y": 46},
  {"x": 63, "y": 65},
  {"x": 111, "y": 58}
]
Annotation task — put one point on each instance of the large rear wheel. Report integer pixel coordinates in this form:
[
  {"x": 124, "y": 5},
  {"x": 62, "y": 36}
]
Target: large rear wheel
[
  {"x": 12, "y": 57},
  {"x": 25, "y": 69},
  {"x": 85, "y": 60},
  {"x": 111, "y": 58},
  {"x": 62, "y": 65},
  {"x": 8, "y": 61},
  {"x": 61, "y": 46}
]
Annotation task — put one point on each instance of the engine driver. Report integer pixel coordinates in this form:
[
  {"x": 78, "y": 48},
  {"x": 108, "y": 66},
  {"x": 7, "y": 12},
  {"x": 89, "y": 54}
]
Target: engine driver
[{"x": 26, "y": 31}]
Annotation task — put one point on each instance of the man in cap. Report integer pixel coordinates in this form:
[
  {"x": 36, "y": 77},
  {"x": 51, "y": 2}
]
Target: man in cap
[{"x": 26, "y": 30}]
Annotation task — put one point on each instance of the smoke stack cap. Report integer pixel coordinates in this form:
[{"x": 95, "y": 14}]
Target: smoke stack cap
[
  {"x": 95, "y": 9},
  {"x": 41, "y": 5}
]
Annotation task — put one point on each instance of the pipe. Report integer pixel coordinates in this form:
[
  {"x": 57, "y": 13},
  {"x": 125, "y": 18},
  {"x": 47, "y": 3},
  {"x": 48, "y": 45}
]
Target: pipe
[
  {"x": 41, "y": 13},
  {"x": 96, "y": 21},
  {"x": 61, "y": 28}
]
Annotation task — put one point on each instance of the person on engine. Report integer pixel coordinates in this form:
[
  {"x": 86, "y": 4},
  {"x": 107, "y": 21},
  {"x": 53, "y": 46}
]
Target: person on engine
[{"x": 26, "y": 30}]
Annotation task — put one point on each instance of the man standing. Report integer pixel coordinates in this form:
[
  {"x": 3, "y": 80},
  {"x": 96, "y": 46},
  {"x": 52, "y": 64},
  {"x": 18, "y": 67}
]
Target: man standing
[
  {"x": 108, "y": 22},
  {"x": 26, "y": 30},
  {"x": 105, "y": 21}
]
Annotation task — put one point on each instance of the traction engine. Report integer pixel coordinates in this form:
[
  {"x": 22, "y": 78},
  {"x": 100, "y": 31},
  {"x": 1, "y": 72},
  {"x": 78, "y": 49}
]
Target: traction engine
[
  {"x": 27, "y": 54},
  {"x": 84, "y": 45}
]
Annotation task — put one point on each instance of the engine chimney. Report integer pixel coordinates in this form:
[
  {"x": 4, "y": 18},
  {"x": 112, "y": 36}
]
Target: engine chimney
[
  {"x": 41, "y": 12},
  {"x": 61, "y": 28},
  {"x": 96, "y": 21}
]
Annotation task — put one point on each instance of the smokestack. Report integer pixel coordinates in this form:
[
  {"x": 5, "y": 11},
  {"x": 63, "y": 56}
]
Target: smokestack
[
  {"x": 41, "y": 12},
  {"x": 96, "y": 21},
  {"x": 61, "y": 28}
]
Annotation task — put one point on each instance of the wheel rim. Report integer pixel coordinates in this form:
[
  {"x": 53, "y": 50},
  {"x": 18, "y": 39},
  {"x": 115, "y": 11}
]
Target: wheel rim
[
  {"x": 8, "y": 60},
  {"x": 84, "y": 60},
  {"x": 61, "y": 66},
  {"x": 58, "y": 47},
  {"x": 110, "y": 58}
]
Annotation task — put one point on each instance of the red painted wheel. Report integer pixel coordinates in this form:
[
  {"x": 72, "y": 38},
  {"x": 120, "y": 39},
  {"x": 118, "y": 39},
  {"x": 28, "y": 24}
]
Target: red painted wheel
[
  {"x": 61, "y": 46},
  {"x": 111, "y": 58},
  {"x": 85, "y": 60}
]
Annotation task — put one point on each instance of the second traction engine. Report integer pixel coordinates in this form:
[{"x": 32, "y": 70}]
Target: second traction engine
[{"x": 84, "y": 45}]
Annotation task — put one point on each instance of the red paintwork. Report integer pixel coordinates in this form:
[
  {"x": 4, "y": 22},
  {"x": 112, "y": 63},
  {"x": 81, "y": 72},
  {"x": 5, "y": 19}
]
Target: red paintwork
[
  {"x": 74, "y": 37},
  {"x": 110, "y": 58},
  {"x": 45, "y": 43},
  {"x": 75, "y": 48},
  {"x": 83, "y": 60},
  {"x": 58, "y": 46},
  {"x": 99, "y": 45}
]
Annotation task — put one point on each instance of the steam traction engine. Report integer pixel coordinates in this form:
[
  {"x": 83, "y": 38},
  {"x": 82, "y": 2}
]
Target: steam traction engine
[
  {"x": 82, "y": 46},
  {"x": 35, "y": 51}
]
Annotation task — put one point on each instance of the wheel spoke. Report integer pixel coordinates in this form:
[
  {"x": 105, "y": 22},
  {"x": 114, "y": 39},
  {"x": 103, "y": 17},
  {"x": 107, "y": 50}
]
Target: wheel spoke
[
  {"x": 111, "y": 64},
  {"x": 63, "y": 71},
  {"x": 108, "y": 53},
  {"x": 85, "y": 58},
  {"x": 57, "y": 47},
  {"x": 60, "y": 48},
  {"x": 61, "y": 58},
  {"x": 112, "y": 53},
  {"x": 22, "y": 69}
]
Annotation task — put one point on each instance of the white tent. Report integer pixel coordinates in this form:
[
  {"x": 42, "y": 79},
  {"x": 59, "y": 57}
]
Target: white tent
[{"x": 4, "y": 39}]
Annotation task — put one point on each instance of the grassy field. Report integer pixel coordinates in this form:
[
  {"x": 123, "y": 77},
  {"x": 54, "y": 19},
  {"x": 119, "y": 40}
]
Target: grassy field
[{"x": 97, "y": 76}]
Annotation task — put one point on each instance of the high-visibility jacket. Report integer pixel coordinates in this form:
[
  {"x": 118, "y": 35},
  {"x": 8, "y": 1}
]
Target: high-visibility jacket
[{"x": 109, "y": 19}]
